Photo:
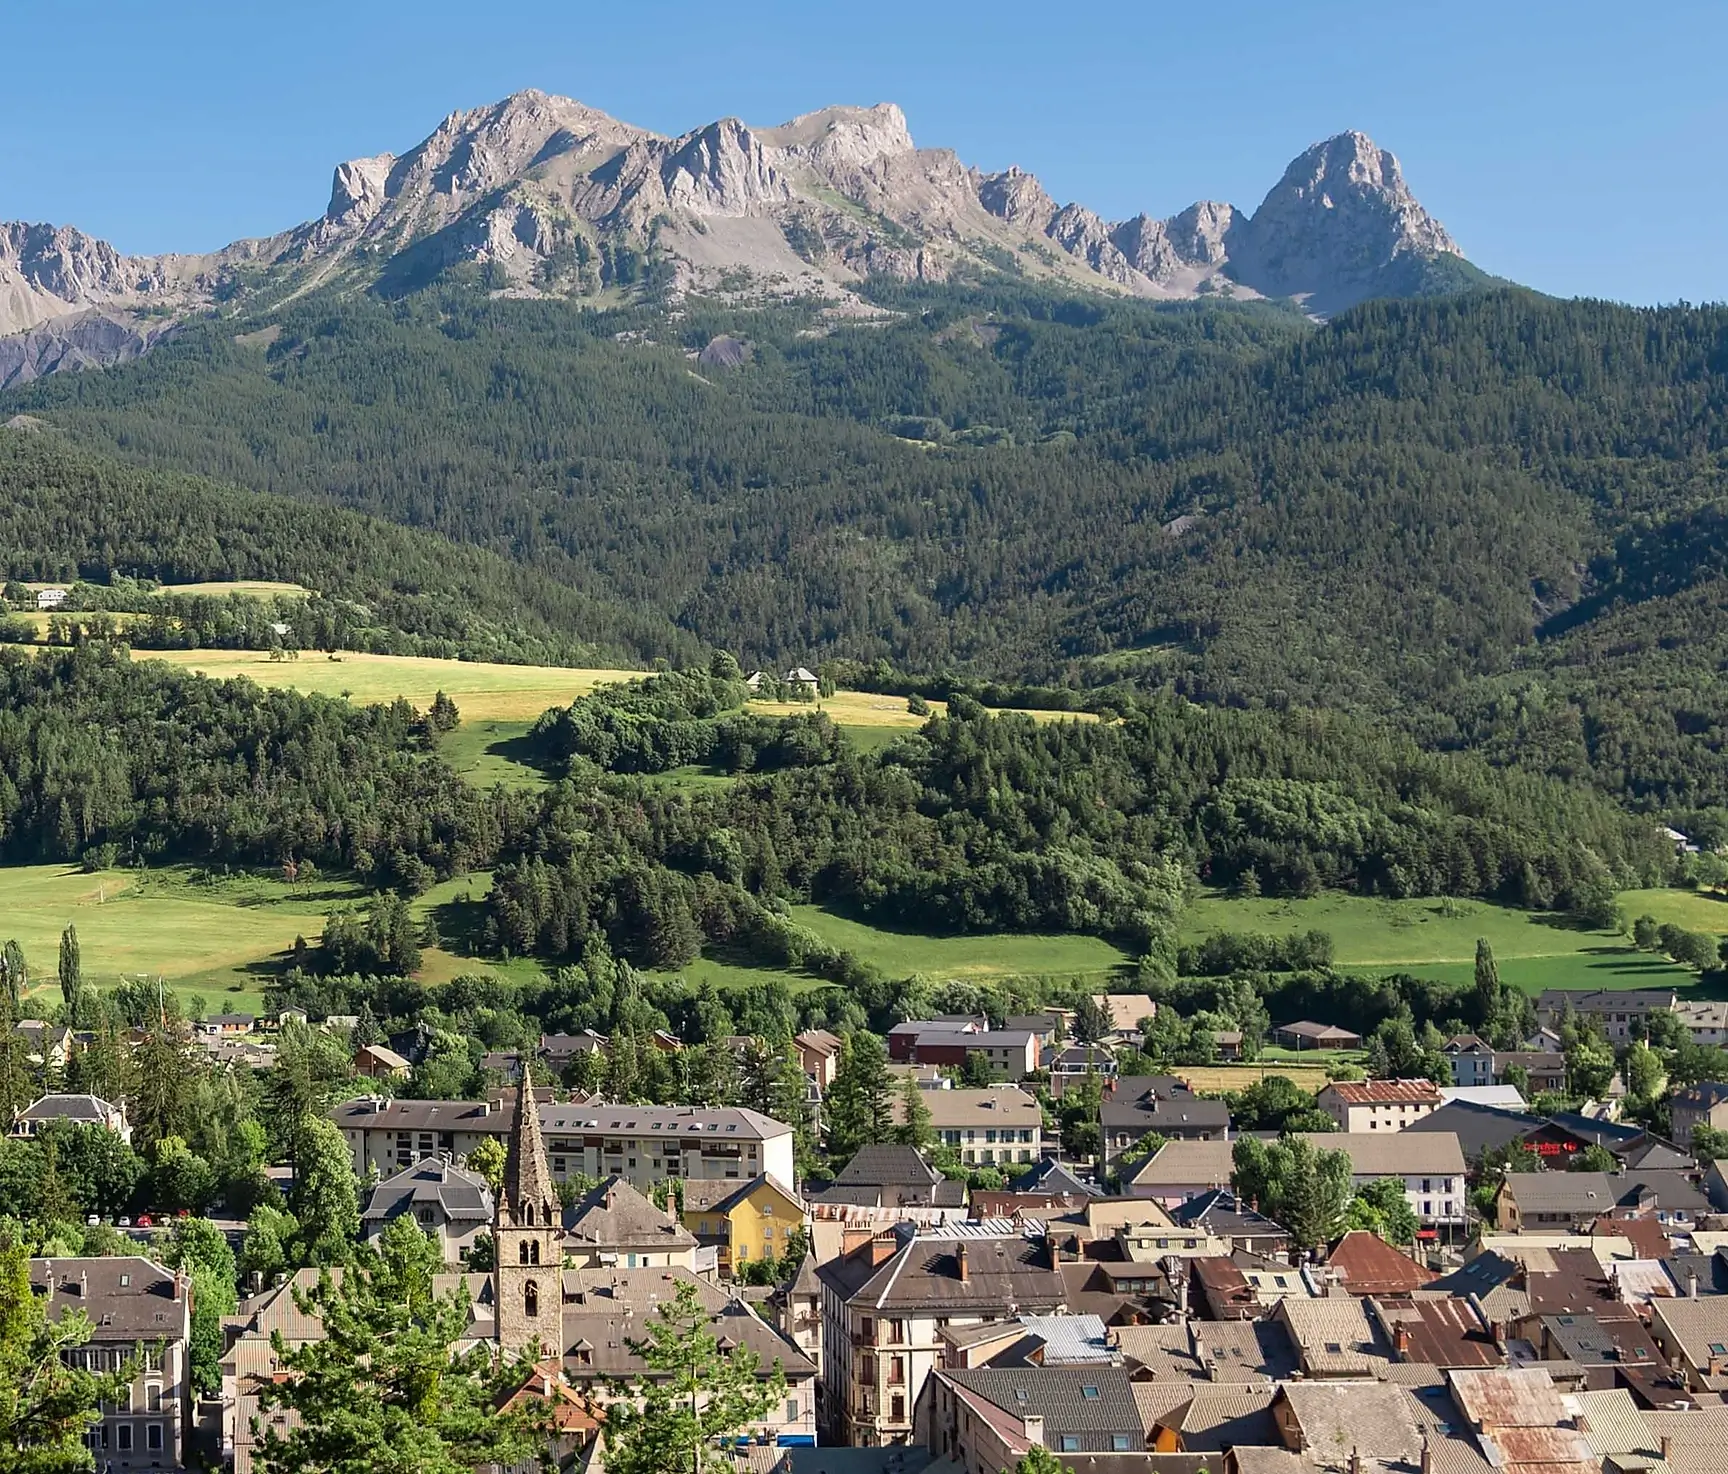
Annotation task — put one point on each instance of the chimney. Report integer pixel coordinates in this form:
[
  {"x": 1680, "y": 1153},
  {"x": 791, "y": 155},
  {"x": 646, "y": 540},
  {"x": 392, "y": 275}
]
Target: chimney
[
  {"x": 1427, "y": 1456},
  {"x": 885, "y": 1247},
  {"x": 1691, "y": 1284},
  {"x": 1055, "y": 1245},
  {"x": 1400, "y": 1338},
  {"x": 84, "y": 1284},
  {"x": 1664, "y": 1448},
  {"x": 960, "y": 1261},
  {"x": 1355, "y": 1462}
]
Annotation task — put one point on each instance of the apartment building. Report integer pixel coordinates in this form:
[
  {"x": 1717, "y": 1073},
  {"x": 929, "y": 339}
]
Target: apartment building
[
  {"x": 1620, "y": 1011},
  {"x": 1379, "y": 1105},
  {"x": 1009, "y": 1054},
  {"x": 886, "y": 1302},
  {"x": 990, "y": 1127},
  {"x": 1429, "y": 1163},
  {"x": 140, "y": 1311},
  {"x": 641, "y": 1144}
]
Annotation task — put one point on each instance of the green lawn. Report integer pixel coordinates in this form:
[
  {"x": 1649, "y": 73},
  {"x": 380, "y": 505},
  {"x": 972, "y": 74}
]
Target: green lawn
[
  {"x": 995, "y": 955},
  {"x": 487, "y": 753},
  {"x": 221, "y": 942},
  {"x": 1433, "y": 938}
]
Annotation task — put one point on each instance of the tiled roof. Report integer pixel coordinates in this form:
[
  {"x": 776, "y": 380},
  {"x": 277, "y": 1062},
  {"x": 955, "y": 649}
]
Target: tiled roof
[
  {"x": 1219, "y": 1212},
  {"x": 1092, "y": 1404},
  {"x": 1374, "y": 1421},
  {"x": 1385, "y": 1092},
  {"x": 1218, "y": 1417},
  {"x": 1368, "y": 1265},
  {"x": 887, "y": 1164},
  {"x": 1184, "y": 1163},
  {"x": 1396, "y": 1153},
  {"x": 88, "y": 1108},
  {"x": 460, "y": 1195},
  {"x": 994, "y": 1105},
  {"x": 1334, "y": 1337},
  {"x": 1478, "y": 1127},
  {"x": 127, "y": 1297},
  {"x": 612, "y": 1214}
]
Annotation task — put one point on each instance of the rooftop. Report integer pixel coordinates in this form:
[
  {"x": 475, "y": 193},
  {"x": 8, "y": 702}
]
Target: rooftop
[{"x": 1384, "y": 1092}]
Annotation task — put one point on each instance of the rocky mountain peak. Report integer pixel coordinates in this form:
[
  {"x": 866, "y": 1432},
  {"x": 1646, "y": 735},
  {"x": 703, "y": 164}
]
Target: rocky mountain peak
[
  {"x": 1341, "y": 214},
  {"x": 563, "y": 198}
]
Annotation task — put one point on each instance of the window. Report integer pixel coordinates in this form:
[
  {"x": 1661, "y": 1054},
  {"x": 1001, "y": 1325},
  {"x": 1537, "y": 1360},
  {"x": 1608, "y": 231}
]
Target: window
[
  {"x": 791, "y": 1409},
  {"x": 153, "y": 1436},
  {"x": 1089, "y": 1393},
  {"x": 153, "y": 1397},
  {"x": 531, "y": 1300},
  {"x": 123, "y": 1436},
  {"x": 1070, "y": 1443},
  {"x": 1119, "y": 1443}
]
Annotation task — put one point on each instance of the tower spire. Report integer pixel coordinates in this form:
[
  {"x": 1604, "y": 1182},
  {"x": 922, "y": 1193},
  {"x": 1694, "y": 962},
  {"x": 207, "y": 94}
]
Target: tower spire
[{"x": 527, "y": 1197}]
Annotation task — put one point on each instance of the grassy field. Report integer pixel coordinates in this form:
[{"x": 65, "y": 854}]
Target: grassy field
[
  {"x": 482, "y": 692},
  {"x": 487, "y": 753},
  {"x": 214, "y": 943},
  {"x": 867, "y": 709},
  {"x": 1311, "y": 1078},
  {"x": 973, "y": 957},
  {"x": 1431, "y": 938}
]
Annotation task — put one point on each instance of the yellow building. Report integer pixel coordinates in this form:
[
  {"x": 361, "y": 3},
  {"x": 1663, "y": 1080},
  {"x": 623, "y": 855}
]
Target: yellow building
[{"x": 742, "y": 1220}]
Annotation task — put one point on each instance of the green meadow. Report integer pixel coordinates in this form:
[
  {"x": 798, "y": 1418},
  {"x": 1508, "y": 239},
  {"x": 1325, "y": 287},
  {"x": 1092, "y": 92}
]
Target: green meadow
[{"x": 1436, "y": 938}]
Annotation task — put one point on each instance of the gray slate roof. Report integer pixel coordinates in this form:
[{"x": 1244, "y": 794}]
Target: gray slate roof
[
  {"x": 1093, "y": 1404},
  {"x": 460, "y": 1195}
]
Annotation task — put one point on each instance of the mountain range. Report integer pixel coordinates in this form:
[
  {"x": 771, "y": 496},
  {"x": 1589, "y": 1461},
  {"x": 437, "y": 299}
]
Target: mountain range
[{"x": 549, "y": 196}]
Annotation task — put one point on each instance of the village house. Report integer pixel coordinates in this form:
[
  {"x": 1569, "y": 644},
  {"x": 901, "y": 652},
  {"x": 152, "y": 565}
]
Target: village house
[
  {"x": 79, "y": 1110},
  {"x": 885, "y": 1300},
  {"x": 448, "y": 1202},
  {"x": 991, "y": 1126},
  {"x": 50, "y": 598},
  {"x": 1430, "y": 1164},
  {"x": 614, "y": 1226},
  {"x": 741, "y": 1221},
  {"x": 1620, "y": 1011},
  {"x": 1070, "y": 1066},
  {"x": 1009, "y": 1054},
  {"x": 1471, "y": 1060},
  {"x": 818, "y": 1056},
  {"x": 1309, "y": 1035},
  {"x": 1137, "y": 1106},
  {"x": 642, "y": 1144},
  {"x": 379, "y": 1062},
  {"x": 1703, "y": 1104},
  {"x": 142, "y": 1313},
  {"x": 1378, "y": 1105}
]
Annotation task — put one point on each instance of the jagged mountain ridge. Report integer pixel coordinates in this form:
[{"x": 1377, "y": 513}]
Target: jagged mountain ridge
[{"x": 552, "y": 195}]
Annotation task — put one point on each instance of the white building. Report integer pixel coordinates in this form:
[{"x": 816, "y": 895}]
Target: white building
[
  {"x": 1378, "y": 1105},
  {"x": 641, "y": 1144}
]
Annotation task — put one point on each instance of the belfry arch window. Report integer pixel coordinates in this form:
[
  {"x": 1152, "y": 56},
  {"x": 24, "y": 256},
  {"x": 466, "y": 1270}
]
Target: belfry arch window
[{"x": 531, "y": 1300}]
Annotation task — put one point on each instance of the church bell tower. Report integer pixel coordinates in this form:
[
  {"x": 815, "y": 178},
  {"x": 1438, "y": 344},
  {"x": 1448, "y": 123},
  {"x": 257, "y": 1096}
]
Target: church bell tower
[{"x": 527, "y": 1236}]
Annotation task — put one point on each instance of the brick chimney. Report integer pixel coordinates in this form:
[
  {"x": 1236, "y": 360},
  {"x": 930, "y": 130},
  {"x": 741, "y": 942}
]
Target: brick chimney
[
  {"x": 1400, "y": 1338},
  {"x": 960, "y": 1262},
  {"x": 883, "y": 1247}
]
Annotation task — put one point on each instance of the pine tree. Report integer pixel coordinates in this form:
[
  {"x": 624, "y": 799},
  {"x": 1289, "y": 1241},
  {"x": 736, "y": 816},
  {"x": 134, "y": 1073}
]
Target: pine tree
[
  {"x": 71, "y": 974},
  {"x": 702, "y": 1399},
  {"x": 385, "y": 1388},
  {"x": 914, "y": 1128},
  {"x": 860, "y": 1100}
]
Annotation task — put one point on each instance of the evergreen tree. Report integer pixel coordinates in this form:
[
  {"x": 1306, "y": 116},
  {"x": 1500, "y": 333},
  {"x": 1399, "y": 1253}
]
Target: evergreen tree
[
  {"x": 15, "y": 972},
  {"x": 71, "y": 975},
  {"x": 914, "y": 1128},
  {"x": 1091, "y": 1021},
  {"x": 385, "y": 1388},
  {"x": 162, "y": 1076},
  {"x": 859, "y": 1101},
  {"x": 697, "y": 1401},
  {"x": 197, "y": 1246}
]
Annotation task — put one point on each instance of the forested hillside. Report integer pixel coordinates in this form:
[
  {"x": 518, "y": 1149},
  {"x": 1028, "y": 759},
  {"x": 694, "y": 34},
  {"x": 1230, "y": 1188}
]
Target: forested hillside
[
  {"x": 1496, "y": 518},
  {"x": 66, "y": 513}
]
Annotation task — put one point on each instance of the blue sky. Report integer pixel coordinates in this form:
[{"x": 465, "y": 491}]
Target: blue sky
[{"x": 1575, "y": 147}]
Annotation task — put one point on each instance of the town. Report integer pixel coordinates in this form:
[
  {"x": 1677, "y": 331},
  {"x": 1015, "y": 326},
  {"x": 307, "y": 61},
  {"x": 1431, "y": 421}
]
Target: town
[{"x": 1386, "y": 1274}]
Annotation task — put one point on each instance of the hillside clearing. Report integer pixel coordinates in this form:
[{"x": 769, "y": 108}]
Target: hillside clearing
[
  {"x": 481, "y": 691},
  {"x": 1437, "y": 938}
]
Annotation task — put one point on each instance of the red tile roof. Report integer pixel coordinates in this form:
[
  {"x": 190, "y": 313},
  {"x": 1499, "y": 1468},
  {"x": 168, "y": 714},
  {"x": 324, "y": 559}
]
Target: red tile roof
[{"x": 1388, "y": 1092}]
